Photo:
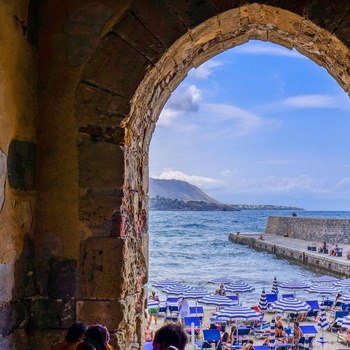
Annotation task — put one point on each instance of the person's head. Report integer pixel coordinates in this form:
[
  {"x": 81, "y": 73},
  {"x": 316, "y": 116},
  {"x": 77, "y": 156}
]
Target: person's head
[
  {"x": 212, "y": 326},
  {"x": 171, "y": 336},
  {"x": 76, "y": 332},
  {"x": 296, "y": 324},
  {"x": 153, "y": 293},
  {"x": 98, "y": 336},
  {"x": 278, "y": 317}
]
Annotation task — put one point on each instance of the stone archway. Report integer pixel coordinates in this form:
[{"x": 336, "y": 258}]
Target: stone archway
[
  {"x": 123, "y": 89},
  {"x": 83, "y": 85}
]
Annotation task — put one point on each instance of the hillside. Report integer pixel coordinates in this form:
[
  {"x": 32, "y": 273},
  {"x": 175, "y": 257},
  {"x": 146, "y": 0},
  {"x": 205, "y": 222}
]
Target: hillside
[
  {"x": 176, "y": 189},
  {"x": 181, "y": 195}
]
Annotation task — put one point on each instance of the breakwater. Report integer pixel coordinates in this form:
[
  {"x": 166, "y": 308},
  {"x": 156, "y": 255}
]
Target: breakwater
[
  {"x": 310, "y": 229},
  {"x": 297, "y": 240}
]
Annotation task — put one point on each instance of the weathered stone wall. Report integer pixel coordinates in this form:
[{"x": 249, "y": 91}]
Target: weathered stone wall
[
  {"x": 74, "y": 144},
  {"x": 310, "y": 229}
]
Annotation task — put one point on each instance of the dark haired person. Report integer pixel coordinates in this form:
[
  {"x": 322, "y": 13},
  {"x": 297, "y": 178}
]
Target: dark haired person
[
  {"x": 171, "y": 336},
  {"x": 73, "y": 337},
  {"x": 97, "y": 336}
]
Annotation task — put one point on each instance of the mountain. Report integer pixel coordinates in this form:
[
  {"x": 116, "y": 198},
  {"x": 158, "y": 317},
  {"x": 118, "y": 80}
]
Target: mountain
[
  {"x": 177, "y": 189},
  {"x": 181, "y": 195}
]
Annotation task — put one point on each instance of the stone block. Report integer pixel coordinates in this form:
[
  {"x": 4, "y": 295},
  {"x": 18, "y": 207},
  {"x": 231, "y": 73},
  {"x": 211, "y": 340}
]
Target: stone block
[
  {"x": 108, "y": 313},
  {"x": 18, "y": 340},
  {"x": 102, "y": 269},
  {"x": 48, "y": 313},
  {"x": 99, "y": 107},
  {"x": 101, "y": 164},
  {"x": 62, "y": 278},
  {"x": 21, "y": 165}
]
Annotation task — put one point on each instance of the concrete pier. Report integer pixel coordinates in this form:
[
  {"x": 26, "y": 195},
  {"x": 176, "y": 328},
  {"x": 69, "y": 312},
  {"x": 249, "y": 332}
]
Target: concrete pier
[{"x": 297, "y": 250}]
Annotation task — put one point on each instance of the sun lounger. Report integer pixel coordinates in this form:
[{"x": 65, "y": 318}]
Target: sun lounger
[
  {"x": 196, "y": 310},
  {"x": 305, "y": 343},
  {"x": 313, "y": 303},
  {"x": 261, "y": 331},
  {"x": 211, "y": 336},
  {"x": 270, "y": 298},
  {"x": 344, "y": 306},
  {"x": 308, "y": 329},
  {"x": 260, "y": 347},
  {"x": 290, "y": 295},
  {"x": 343, "y": 338}
]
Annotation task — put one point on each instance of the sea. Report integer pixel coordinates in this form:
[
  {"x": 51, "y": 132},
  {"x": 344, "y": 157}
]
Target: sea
[{"x": 192, "y": 247}]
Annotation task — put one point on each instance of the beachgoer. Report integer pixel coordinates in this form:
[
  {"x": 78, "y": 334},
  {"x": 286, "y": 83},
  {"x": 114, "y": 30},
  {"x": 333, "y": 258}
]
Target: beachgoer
[
  {"x": 73, "y": 337},
  {"x": 154, "y": 310},
  {"x": 294, "y": 214},
  {"x": 332, "y": 249},
  {"x": 97, "y": 336},
  {"x": 221, "y": 290},
  {"x": 322, "y": 248},
  {"x": 171, "y": 336},
  {"x": 248, "y": 345},
  {"x": 280, "y": 334},
  {"x": 348, "y": 254},
  {"x": 261, "y": 238},
  {"x": 278, "y": 321},
  {"x": 297, "y": 333},
  {"x": 184, "y": 309},
  {"x": 149, "y": 334}
]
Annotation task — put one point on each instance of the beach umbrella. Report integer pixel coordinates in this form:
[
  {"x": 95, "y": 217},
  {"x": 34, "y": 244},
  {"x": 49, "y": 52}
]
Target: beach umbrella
[
  {"x": 272, "y": 340},
  {"x": 194, "y": 294},
  {"x": 344, "y": 321},
  {"x": 295, "y": 285},
  {"x": 238, "y": 313},
  {"x": 325, "y": 279},
  {"x": 344, "y": 283},
  {"x": 164, "y": 283},
  {"x": 290, "y": 305},
  {"x": 152, "y": 303},
  {"x": 345, "y": 298},
  {"x": 221, "y": 280},
  {"x": 216, "y": 300},
  {"x": 324, "y": 324},
  {"x": 323, "y": 290},
  {"x": 176, "y": 289},
  {"x": 274, "y": 286},
  {"x": 263, "y": 302},
  {"x": 238, "y": 288}
]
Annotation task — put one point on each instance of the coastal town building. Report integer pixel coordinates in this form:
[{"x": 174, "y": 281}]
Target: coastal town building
[{"x": 82, "y": 86}]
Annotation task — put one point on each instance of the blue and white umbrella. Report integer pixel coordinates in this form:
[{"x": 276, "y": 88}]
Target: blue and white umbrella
[
  {"x": 323, "y": 324},
  {"x": 152, "y": 303},
  {"x": 239, "y": 288},
  {"x": 221, "y": 280},
  {"x": 194, "y": 294},
  {"x": 216, "y": 300},
  {"x": 323, "y": 290},
  {"x": 345, "y": 298},
  {"x": 325, "y": 279},
  {"x": 290, "y": 305},
  {"x": 263, "y": 302},
  {"x": 176, "y": 289},
  {"x": 274, "y": 286},
  {"x": 272, "y": 339},
  {"x": 344, "y": 321},
  {"x": 295, "y": 285},
  {"x": 164, "y": 283},
  {"x": 238, "y": 313},
  {"x": 344, "y": 283}
]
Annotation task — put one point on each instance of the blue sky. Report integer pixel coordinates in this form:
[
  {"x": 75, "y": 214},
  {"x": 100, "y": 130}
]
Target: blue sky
[{"x": 258, "y": 124}]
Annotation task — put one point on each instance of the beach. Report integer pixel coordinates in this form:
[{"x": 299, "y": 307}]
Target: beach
[{"x": 332, "y": 344}]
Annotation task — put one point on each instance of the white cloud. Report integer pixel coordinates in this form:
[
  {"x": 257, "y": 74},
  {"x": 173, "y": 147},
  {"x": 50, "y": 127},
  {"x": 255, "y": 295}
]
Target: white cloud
[
  {"x": 181, "y": 101},
  {"x": 200, "y": 181},
  {"x": 245, "y": 122},
  {"x": 311, "y": 101},
  {"x": 205, "y": 70},
  {"x": 267, "y": 49},
  {"x": 343, "y": 184}
]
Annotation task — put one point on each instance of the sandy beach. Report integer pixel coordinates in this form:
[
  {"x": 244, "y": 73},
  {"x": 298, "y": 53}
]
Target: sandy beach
[{"x": 332, "y": 344}]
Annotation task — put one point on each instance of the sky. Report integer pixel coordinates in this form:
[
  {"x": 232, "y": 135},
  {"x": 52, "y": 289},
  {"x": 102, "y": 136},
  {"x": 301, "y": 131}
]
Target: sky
[{"x": 258, "y": 124}]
